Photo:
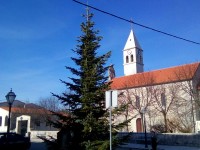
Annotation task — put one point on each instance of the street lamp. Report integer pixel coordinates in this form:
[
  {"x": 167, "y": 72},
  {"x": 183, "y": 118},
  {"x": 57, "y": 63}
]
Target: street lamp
[
  {"x": 10, "y": 97},
  {"x": 145, "y": 131}
]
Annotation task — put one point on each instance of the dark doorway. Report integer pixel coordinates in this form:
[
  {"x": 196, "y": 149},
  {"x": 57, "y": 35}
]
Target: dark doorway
[{"x": 22, "y": 127}]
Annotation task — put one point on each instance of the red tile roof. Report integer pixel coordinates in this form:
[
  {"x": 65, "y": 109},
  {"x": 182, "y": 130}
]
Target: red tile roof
[
  {"x": 168, "y": 75},
  {"x": 27, "y": 110}
]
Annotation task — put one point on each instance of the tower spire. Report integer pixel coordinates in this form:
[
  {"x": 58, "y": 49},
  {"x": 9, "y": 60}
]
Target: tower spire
[{"x": 133, "y": 55}]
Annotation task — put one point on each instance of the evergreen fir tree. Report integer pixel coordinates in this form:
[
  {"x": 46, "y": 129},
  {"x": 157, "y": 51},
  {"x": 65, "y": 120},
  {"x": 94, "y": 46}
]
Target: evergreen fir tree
[{"x": 86, "y": 126}]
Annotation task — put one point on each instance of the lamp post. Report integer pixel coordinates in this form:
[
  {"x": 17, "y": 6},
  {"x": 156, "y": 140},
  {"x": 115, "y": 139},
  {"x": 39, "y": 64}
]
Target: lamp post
[
  {"x": 145, "y": 131},
  {"x": 10, "y": 97}
]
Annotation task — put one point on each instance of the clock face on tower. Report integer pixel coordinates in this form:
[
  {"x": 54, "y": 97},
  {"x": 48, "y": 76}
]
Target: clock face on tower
[{"x": 129, "y": 52}]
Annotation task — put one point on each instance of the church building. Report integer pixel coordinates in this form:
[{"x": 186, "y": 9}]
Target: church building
[{"x": 164, "y": 100}]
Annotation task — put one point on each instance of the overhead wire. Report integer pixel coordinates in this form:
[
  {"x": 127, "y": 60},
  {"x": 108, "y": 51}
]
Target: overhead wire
[{"x": 144, "y": 26}]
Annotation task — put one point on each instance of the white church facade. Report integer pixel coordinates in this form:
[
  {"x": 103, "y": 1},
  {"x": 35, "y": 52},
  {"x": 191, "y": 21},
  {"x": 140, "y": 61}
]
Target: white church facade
[{"x": 166, "y": 99}]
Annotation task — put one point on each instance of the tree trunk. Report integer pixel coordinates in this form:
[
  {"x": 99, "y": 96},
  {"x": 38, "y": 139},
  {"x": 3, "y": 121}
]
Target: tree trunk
[{"x": 165, "y": 121}]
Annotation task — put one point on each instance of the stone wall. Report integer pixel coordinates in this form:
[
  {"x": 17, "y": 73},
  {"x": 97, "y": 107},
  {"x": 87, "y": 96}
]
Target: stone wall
[
  {"x": 46, "y": 134},
  {"x": 181, "y": 139}
]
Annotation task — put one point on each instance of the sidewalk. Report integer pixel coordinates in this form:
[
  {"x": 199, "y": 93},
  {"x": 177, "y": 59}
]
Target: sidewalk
[{"x": 160, "y": 147}]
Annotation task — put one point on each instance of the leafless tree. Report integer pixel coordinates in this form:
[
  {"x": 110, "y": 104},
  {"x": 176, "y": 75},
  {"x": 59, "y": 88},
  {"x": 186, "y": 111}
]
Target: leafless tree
[
  {"x": 165, "y": 98},
  {"x": 172, "y": 104},
  {"x": 50, "y": 103},
  {"x": 189, "y": 74},
  {"x": 137, "y": 98}
]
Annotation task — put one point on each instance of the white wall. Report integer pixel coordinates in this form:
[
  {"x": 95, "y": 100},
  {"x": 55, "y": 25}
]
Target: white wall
[
  {"x": 40, "y": 130},
  {"x": 3, "y": 114}
]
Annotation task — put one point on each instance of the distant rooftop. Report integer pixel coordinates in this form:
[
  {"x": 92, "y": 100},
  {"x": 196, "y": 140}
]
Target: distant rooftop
[{"x": 18, "y": 103}]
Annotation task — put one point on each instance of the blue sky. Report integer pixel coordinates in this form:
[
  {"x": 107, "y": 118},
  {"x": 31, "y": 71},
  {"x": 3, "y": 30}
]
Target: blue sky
[{"x": 36, "y": 38}]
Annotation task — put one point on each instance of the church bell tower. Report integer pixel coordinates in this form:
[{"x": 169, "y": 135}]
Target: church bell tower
[{"x": 132, "y": 56}]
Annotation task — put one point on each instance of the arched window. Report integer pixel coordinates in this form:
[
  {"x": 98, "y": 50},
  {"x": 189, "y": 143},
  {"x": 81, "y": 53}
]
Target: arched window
[
  {"x": 163, "y": 99},
  {"x": 127, "y": 59},
  {"x": 131, "y": 58},
  {"x": 137, "y": 101}
]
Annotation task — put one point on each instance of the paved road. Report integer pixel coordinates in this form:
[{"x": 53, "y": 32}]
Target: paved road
[{"x": 37, "y": 144}]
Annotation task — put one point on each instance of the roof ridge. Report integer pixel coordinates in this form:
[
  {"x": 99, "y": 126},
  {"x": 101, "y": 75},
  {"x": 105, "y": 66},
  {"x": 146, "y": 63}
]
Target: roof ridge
[
  {"x": 160, "y": 69},
  {"x": 177, "y": 66},
  {"x": 160, "y": 76}
]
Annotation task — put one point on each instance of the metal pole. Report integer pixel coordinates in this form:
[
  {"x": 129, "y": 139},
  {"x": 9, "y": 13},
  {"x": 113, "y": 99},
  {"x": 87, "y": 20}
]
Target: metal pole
[
  {"x": 110, "y": 128},
  {"x": 193, "y": 114},
  {"x": 110, "y": 120},
  {"x": 8, "y": 128},
  {"x": 145, "y": 132}
]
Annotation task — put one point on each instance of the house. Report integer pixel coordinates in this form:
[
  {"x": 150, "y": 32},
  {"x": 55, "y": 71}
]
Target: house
[
  {"x": 27, "y": 119},
  {"x": 166, "y": 100}
]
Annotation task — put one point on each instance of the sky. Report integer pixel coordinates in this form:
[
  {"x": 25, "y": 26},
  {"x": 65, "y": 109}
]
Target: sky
[{"x": 37, "y": 38}]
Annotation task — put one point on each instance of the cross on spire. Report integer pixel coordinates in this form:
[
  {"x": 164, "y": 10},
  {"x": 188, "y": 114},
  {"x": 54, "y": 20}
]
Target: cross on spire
[{"x": 131, "y": 21}]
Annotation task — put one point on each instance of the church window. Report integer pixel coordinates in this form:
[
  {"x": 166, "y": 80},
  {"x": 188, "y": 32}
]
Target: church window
[
  {"x": 48, "y": 123},
  {"x": 127, "y": 59},
  {"x": 37, "y": 122},
  {"x": 131, "y": 58},
  {"x": 137, "y": 99},
  {"x": 163, "y": 99}
]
